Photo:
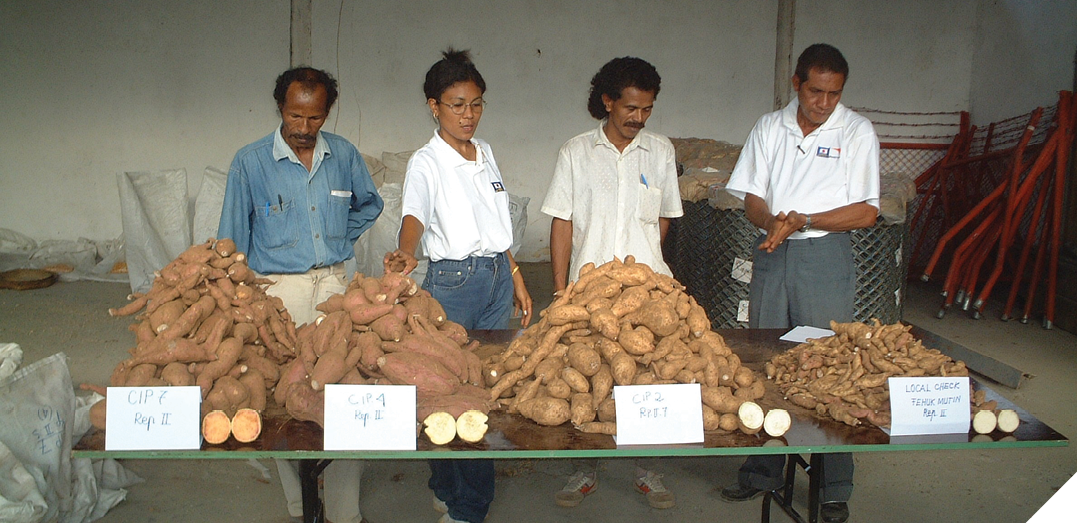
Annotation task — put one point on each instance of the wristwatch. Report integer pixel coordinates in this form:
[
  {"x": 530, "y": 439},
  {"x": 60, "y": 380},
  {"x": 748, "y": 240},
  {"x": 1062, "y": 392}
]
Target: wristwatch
[{"x": 807, "y": 224}]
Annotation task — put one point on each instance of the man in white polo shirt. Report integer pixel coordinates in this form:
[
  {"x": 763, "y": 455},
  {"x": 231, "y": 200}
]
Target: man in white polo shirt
[
  {"x": 808, "y": 174},
  {"x": 613, "y": 193}
]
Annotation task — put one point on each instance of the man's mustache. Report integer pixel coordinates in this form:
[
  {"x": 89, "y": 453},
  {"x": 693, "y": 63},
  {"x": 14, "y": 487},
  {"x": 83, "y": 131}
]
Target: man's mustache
[{"x": 634, "y": 125}]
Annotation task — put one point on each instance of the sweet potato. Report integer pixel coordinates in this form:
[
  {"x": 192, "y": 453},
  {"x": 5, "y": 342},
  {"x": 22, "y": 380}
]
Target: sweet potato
[
  {"x": 216, "y": 427},
  {"x": 190, "y": 319},
  {"x": 567, "y": 314},
  {"x": 388, "y": 327},
  {"x": 228, "y": 354},
  {"x": 623, "y": 368},
  {"x": 306, "y": 404},
  {"x": 167, "y": 313},
  {"x": 329, "y": 369},
  {"x": 601, "y": 384},
  {"x": 636, "y": 342},
  {"x": 658, "y": 316},
  {"x": 546, "y": 411},
  {"x": 291, "y": 373},
  {"x": 777, "y": 422},
  {"x": 607, "y": 410},
  {"x": 440, "y": 428},
  {"x": 630, "y": 300},
  {"x": 584, "y": 359},
  {"x": 428, "y": 376},
  {"x": 228, "y": 394},
  {"x": 582, "y": 407},
  {"x": 471, "y": 426},
  {"x": 558, "y": 388},
  {"x": 140, "y": 375},
  {"x": 750, "y": 417},
  {"x": 246, "y": 425},
  {"x": 177, "y": 375},
  {"x": 366, "y": 313},
  {"x": 575, "y": 379},
  {"x": 256, "y": 387}
]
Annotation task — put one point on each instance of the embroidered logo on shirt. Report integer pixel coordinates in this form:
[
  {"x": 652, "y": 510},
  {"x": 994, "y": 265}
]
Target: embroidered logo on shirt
[
  {"x": 828, "y": 152},
  {"x": 498, "y": 186}
]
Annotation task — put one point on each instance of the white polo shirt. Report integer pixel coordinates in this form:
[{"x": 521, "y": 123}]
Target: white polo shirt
[
  {"x": 615, "y": 198},
  {"x": 463, "y": 205},
  {"x": 833, "y": 166}
]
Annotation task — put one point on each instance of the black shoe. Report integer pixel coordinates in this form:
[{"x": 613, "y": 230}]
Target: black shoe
[
  {"x": 737, "y": 492},
  {"x": 835, "y": 512}
]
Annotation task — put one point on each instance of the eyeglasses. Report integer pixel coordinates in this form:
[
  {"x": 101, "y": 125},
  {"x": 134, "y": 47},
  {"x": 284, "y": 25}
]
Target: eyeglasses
[{"x": 458, "y": 108}]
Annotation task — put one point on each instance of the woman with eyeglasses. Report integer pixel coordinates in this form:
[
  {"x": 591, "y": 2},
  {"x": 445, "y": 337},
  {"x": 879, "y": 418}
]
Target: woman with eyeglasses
[{"x": 456, "y": 206}]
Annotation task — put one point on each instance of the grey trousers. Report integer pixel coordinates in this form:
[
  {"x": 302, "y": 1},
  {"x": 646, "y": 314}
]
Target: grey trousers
[{"x": 803, "y": 282}]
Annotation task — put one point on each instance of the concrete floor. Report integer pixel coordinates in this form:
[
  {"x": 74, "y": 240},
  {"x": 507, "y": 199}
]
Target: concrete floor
[{"x": 980, "y": 485}]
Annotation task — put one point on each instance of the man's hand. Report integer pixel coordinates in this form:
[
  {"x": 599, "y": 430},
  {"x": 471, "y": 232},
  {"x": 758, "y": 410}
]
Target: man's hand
[
  {"x": 780, "y": 227},
  {"x": 399, "y": 261}
]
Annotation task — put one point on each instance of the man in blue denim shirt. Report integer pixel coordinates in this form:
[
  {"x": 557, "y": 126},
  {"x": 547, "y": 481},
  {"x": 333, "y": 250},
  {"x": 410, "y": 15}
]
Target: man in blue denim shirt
[{"x": 295, "y": 203}]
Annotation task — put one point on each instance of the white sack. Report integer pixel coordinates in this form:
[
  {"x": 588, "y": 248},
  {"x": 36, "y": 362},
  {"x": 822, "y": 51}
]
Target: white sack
[
  {"x": 208, "y": 204},
  {"x": 156, "y": 224}
]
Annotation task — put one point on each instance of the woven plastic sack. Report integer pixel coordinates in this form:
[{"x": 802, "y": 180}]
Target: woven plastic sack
[
  {"x": 37, "y": 405},
  {"x": 208, "y": 205},
  {"x": 156, "y": 222}
]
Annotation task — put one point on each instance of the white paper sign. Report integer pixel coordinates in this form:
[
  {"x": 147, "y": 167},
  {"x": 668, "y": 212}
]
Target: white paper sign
[
  {"x": 153, "y": 418},
  {"x": 803, "y": 333},
  {"x": 929, "y": 406},
  {"x": 658, "y": 414},
  {"x": 369, "y": 417}
]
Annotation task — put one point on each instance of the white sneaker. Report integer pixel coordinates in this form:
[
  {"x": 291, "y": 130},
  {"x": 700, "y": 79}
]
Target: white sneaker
[
  {"x": 579, "y": 486},
  {"x": 657, "y": 495},
  {"x": 440, "y": 506}
]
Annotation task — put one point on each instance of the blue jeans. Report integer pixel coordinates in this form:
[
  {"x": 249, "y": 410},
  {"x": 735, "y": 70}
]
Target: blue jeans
[{"x": 477, "y": 293}]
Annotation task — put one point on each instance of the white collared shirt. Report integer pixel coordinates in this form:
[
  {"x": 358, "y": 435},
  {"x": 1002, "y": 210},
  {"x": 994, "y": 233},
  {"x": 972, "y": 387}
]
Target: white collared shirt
[
  {"x": 833, "y": 166},
  {"x": 463, "y": 205},
  {"x": 614, "y": 198}
]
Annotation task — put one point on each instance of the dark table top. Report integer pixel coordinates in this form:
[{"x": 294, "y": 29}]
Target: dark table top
[{"x": 511, "y": 436}]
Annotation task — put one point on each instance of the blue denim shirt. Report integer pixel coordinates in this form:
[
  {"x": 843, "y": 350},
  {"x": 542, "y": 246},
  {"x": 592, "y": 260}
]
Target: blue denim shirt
[{"x": 288, "y": 220}]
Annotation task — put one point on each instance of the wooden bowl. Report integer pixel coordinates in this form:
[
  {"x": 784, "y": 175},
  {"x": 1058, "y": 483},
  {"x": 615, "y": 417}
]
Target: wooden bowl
[{"x": 26, "y": 279}]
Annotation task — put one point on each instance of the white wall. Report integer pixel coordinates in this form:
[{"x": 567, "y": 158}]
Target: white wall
[
  {"x": 92, "y": 89},
  {"x": 1024, "y": 56}
]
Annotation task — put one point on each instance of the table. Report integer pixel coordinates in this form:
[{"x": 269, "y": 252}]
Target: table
[{"x": 512, "y": 437}]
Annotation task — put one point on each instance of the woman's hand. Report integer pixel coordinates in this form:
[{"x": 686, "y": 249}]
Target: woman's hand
[
  {"x": 521, "y": 299},
  {"x": 399, "y": 261}
]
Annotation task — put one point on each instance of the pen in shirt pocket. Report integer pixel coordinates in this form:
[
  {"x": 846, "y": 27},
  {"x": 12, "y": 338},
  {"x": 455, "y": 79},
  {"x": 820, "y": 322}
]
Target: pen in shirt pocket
[{"x": 643, "y": 180}]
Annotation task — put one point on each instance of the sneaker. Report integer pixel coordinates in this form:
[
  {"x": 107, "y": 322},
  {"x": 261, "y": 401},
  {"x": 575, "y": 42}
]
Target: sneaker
[
  {"x": 657, "y": 495},
  {"x": 834, "y": 512},
  {"x": 446, "y": 518},
  {"x": 737, "y": 492},
  {"x": 440, "y": 506},
  {"x": 579, "y": 485}
]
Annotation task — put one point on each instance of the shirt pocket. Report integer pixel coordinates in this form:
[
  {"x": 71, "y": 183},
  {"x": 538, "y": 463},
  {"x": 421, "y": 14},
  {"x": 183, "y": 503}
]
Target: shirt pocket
[
  {"x": 277, "y": 227},
  {"x": 336, "y": 216},
  {"x": 649, "y": 204}
]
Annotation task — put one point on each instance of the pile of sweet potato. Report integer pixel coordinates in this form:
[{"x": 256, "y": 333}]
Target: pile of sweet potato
[
  {"x": 207, "y": 321},
  {"x": 844, "y": 376},
  {"x": 619, "y": 324},
  {"x": 383, "y": 331}
]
